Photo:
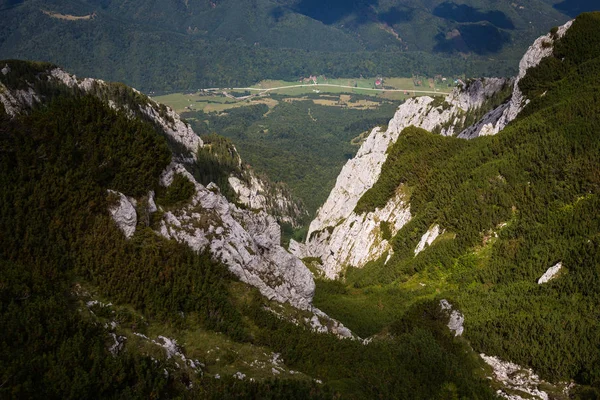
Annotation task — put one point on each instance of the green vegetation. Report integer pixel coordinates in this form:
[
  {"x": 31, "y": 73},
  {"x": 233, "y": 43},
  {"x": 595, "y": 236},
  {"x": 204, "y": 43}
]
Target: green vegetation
[
  {"x": 512, "y": 205},
  {"x": 61, "y": 249},
  {"x": 217, "y": 160},
  {"x": 297, "y": 142},
  {"x": 190, "y": 45},
  {"x": 180, "y": 191}
]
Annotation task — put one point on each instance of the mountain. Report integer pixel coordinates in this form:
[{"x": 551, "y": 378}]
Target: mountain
[
  {"x": 186, "y": 45},
  {"x": 248, "y": 240},
  {"x": 141, "y": 261},
  {"x": 123, "y": 276},
  {"x": 504, "y": 225}
]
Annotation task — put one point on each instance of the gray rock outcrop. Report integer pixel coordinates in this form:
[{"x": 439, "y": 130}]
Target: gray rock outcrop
[
  {"x": 519, "y": 383},
  {"x": 259, "y": 194},
  {"x": 248, "y": 242},
  {"x": 124, "y": 215},
  {"x": 456, "y": 319},
  {"x": 428, "y": 238},
  {"x": 550, "y": 273}
]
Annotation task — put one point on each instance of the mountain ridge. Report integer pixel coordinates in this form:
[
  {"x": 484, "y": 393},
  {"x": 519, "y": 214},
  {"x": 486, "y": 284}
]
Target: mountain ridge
[
  {"x": 228, "y": 44},
  {"x": 489, "y": 217}
]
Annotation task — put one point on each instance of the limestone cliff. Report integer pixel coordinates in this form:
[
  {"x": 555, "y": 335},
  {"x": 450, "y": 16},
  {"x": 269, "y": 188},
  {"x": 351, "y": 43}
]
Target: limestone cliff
[
  {"x": 494, "y": 121},
  {"x": 342, "y": 238},
  {"x": 248, "y": 242}
]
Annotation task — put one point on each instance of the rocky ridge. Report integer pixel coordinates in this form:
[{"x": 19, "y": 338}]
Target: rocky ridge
[
  {"x": 340, "y": 237},
  {"x": 259, "y": 194},
  {"x": 16, "y": 101},
  {"x": 494, "y": 121},
  {"x": 243, "y": 186},
  {"x": 247, "y": 241}
]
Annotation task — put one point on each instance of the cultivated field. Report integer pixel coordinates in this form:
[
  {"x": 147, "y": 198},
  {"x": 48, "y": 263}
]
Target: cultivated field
[{"x": 327, "y": 92}]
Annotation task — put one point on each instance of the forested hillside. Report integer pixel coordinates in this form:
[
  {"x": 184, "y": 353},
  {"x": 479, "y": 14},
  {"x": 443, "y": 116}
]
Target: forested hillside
[
  {"x": 509, "y": 207},
  {"x": 90, "y": 312},
  {"x": 180, "y": 45}
]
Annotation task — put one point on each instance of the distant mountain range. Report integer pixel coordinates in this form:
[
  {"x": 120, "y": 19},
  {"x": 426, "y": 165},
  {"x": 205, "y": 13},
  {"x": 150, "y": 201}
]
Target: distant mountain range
[{"x": 187, "y": 44}]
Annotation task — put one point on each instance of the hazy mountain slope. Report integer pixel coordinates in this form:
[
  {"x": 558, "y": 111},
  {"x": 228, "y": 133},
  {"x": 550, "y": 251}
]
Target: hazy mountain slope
[{"x": 186, "y": 45}]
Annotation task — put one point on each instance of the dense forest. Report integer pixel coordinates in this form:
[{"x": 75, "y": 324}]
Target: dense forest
[{"x": 511, "y": 205}]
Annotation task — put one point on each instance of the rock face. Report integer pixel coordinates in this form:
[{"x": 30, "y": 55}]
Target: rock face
[
  {"x": 259, "y": 194},
  {"x": 456, "y": 318},
  {"x": 124, "y": 214},
  {"x": 248, "y": 242},
  {"x": 521, "y": 383},
  {"x": 173, "y": 126},
  {"x": 497, "y": 119},
  {"x": 550, "y": 273},
  {"x": 15, "y": 101},
  {"x": 428, "y": 238},
  {"x": 357, "y": 239},
  {"x": 341, "y": 238}
]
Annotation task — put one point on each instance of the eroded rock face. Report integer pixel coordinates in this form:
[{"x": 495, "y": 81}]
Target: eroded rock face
[
  {"x": 337, "y": 235},
  {"x": 340, "y": 237},
  {"x": 522, "y": 383},
  {"x": 124, "y": 214},
  {"x": 173, "y": 126},
  {"x": 248, "y": 242},
  {"x": 550, "y": 273},
  {"x": 15, "y": 101},
  {"x": 428, "y": 238},
  {"x": 456, "y": 318},
  {"x": 497, "y": 119},
  {"x": 358, "y": 238},
  {"x": 257, "y": 194}
]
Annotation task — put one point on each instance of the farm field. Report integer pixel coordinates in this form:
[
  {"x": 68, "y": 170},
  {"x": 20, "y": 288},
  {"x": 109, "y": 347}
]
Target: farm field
[{"x": 265, "y": 92}]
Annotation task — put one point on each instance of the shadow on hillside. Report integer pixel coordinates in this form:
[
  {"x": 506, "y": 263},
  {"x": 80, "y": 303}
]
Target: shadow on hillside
[
  {"x": 575, "y": 7},
  {"x": 332, "y": 11},
  {"x": 472, "y": 38},
  {"x": 464, "y": 13}
]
